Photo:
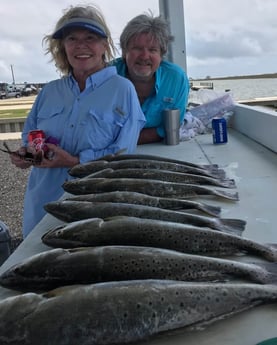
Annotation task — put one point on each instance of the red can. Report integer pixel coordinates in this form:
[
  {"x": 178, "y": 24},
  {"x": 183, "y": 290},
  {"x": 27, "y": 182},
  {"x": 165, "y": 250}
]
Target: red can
[{"x": 36, "y": 139}]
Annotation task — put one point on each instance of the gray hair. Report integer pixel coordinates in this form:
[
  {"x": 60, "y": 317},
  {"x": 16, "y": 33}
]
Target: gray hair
[
  {"x": 55, "y": 47},
  {"x": 157, "y": 27}
]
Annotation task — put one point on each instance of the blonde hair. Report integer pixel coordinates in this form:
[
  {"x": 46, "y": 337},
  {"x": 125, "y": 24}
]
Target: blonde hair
[{"x": 55, "y": 47}]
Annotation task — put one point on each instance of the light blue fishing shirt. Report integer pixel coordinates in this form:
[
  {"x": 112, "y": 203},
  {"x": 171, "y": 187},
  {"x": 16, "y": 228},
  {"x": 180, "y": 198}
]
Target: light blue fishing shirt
[
  {"x": 171, "y": 92},
  {"x": 102, "y": 119}
]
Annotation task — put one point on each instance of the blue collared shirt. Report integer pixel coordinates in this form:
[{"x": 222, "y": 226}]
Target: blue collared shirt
[
  {"x": 171, "y": 92},
  {"x": 102, "y": 119}
]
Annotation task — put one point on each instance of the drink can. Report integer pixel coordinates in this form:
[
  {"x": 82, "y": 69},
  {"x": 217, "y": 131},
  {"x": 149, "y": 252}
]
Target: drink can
[
  {"x": 219, "y": 127},
  {"x": 36, "y": 139}
]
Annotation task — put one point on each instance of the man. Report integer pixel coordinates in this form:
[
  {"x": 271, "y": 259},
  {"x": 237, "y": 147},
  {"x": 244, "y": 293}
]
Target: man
[{"x": 159, "y": 84}]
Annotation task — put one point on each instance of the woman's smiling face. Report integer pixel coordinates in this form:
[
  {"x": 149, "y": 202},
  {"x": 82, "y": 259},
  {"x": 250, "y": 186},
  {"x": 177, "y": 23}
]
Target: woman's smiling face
[{"x": 84, "y": 50}]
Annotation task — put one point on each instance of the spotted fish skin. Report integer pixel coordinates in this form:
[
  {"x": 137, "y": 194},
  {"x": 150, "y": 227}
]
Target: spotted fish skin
[
  {"x": 60, "y": 267},
  {"x": 118, "y": 157},
  {"x": 70, "y": 211},
  {"x": 148, "y": 200},
  {"x": 154, "y": 233},
  {"x": 82, "y": 170},
  {"x": 164, "y": 175},
  {"x": 146, "y": 186},
  {"x": 122, "y": 312}
]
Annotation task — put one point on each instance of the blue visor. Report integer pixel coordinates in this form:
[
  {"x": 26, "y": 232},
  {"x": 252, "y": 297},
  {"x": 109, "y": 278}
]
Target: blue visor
[{"x": 84, "y": 23}]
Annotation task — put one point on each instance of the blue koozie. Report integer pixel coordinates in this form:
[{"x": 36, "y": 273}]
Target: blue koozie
[{"x": 219, "y": 127}]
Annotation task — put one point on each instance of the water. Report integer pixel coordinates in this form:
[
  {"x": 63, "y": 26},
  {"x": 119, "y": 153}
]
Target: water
[{"x": 244, "y": 89}]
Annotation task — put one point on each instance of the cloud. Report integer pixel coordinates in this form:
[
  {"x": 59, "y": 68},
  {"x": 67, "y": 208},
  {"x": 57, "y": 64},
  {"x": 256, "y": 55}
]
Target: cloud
[
  {"x": 221, "y": 33},
  {"x": 24, "y": 23},
  {"x": 222, "y": 37}
]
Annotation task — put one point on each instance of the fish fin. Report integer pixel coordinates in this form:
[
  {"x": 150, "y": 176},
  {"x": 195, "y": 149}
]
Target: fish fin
[
  {"x": 236, "y": 226},
  {"x": 100, "y": 173},
  {"x": 227, "y": 195},
  {"x": 209, "y": 209},
  {"x": 111, "y": 156},
  {"x": 59, "y": 291}
]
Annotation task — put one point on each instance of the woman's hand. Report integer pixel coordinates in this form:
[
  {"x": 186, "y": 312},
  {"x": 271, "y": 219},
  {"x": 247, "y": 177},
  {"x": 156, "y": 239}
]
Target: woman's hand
[
  {"x": 59, "y": 158},
  {"x": 17, "y": 158}
]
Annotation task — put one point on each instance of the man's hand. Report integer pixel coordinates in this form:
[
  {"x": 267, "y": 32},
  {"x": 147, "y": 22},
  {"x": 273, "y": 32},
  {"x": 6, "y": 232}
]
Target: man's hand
[{"x": 148, "y": 135}]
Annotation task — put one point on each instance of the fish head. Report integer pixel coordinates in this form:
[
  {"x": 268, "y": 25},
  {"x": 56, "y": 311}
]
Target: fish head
[
  {"x": 71, "y": 235},
  {"x": 38, "y": 268}
]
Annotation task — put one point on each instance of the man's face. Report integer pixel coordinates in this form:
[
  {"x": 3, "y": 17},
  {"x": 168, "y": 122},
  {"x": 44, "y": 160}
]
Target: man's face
[{"x": 143, "y": 56}]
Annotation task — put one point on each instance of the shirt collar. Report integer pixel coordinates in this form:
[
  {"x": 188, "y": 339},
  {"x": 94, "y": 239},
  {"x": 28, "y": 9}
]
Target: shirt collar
[{"x": 96, "y": 79}]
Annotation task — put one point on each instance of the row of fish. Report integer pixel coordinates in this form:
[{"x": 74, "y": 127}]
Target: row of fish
[
  {"x": 166, "y": 250},
  {"x": 145, "y": 266}
]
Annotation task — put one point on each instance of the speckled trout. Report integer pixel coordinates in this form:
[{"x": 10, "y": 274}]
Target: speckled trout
[
  {"x": 122, "y": 312},
  {"x": 154, "y": 233},
  {"x": 148, "y": 200},
  {"x": 164, "y": 175},
  {"x": 81, "y": 170},
  {"x": 70, "y": 211},
  {"x": 119, "y": 157},
  {"x": 145, "y": 186},
  {"x": 60, "y": 267}
]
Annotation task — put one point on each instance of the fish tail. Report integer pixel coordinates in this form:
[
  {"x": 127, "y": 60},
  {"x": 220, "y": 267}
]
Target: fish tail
[
  {"x": 227, "y": 183},
  {"x": 209, "y": 209},
  {"x": 217, "y": 173},
  {"x": 227, "y": 195},
  {"x": 236, "y": 226}
]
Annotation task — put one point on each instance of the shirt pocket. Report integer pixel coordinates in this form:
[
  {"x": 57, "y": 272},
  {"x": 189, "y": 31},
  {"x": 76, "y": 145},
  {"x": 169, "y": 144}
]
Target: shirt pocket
[
  {"x": 153, "y": 108},
  {"x": 49, "y": 119},
  {"x": 104, "y": 127}
]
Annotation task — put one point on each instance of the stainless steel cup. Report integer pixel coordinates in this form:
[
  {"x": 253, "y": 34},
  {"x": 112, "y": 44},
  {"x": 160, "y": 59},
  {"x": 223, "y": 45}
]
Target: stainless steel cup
[{"x": 171, "y": 122}]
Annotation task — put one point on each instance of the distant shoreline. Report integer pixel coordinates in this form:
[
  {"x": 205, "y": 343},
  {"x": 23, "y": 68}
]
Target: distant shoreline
[{"x": 252, "y": 76}]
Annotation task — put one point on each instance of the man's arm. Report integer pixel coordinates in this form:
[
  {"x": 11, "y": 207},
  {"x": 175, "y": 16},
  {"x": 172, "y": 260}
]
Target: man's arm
[{"x": 148, "y": 135}]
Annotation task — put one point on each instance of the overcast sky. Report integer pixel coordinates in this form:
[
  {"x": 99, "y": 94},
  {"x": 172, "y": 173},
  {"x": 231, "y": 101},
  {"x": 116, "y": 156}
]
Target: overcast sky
[{"x": 223, "y": 38}]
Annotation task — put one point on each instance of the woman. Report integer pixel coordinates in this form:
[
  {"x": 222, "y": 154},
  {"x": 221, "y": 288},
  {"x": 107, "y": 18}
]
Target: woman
[
  {"x": 159, "y": 84},
  {"x": 91, "y": 111}
]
